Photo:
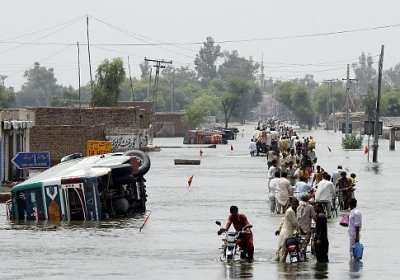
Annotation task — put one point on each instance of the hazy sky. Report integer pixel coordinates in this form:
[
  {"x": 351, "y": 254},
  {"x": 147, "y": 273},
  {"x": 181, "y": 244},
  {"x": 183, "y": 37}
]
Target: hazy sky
[{"x": 55, "y": 26}]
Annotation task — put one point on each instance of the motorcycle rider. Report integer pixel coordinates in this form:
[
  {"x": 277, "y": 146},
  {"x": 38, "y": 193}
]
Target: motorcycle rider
[{"x": 239, "y": 221}]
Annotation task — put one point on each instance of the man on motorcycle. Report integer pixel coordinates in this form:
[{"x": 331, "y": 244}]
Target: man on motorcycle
[{"x": 239, "y": 221}]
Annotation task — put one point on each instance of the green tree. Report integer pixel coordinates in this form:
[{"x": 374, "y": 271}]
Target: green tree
[
  {"x": 248, "y": 101},
  {"x": 40, "y": 86},
  {"x": 202, "y": 107},
  {"x": 7, "y": 97},
  {"x": 144, "y": 69},
  {"x": 365, "y": 74},
  {"x": 390, "y": 104},
  {"x": 205, "y": 62},
  {"x": 336, "y": 100},
  {"x": 236, "y": 90},
  {"x": 238, "y": 67},
  {"x": 392, "y": 76},
  {"x": 64, "y": 97},
  {"x": 109, "y": 77},
  {"x": 297, "y": 99}
]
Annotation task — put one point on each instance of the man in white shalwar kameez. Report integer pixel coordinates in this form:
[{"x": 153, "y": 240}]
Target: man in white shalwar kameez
[
  {"x": 283, "y": 192},
  {"x": 286, "y": 229}
]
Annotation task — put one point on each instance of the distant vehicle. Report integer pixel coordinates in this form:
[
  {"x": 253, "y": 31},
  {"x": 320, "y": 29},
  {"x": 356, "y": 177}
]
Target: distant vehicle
[
  {"x": 203, "y": 137},
  {"x": 83, "y": 188}
]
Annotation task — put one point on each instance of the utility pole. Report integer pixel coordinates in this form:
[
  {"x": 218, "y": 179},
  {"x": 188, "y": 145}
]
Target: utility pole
[
  {"x": 158, "y": 64},
  {"x": 79, "y": 82},
  {"x": 173, "y": 91},
  {"x": 262, "y": 76},
  {"x": 328, "y": 100},
  {"x": 348, "y": 81},
  {"x": 378, "y": 102},
  {"x": 90, "y": 63},
  {"x": 130, "y": 78}
]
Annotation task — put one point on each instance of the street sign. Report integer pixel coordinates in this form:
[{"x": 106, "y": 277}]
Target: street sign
[
  {"x": 30, "y": 160},
  {"x": 98, "y": 147},
  {"x": 369, "y": 128},
  {"x": 350, "y": 128}
]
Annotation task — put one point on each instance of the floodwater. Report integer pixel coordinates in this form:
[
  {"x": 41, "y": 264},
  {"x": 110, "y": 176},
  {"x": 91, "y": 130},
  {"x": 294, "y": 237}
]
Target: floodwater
[{"x": 179, "y": 240}]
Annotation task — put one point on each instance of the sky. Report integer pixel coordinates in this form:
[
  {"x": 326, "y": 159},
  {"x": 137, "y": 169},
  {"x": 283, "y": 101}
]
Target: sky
[{"x": 48, "y": 31}]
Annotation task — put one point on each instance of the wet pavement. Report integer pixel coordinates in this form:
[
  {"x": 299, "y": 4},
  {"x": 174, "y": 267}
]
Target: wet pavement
[{"x": 179, "y": 240}]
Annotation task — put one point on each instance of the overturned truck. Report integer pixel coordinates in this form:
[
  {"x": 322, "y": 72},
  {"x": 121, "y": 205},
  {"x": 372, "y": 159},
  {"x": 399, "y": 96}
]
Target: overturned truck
[{"x": 87, "y": 188}]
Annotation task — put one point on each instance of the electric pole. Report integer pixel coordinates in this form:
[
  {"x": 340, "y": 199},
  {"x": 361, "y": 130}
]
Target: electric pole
[
  {"x": 348, "y": 82},
  {"x": 378, "y": 102},
  {"x": 328, "y": 101},
  {"x": 158, "y": 64},
  {"x": 173, "y": 91}
]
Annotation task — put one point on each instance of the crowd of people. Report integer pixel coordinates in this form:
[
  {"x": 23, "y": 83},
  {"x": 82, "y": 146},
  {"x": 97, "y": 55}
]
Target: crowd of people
[{"x": 302, "y": 191}]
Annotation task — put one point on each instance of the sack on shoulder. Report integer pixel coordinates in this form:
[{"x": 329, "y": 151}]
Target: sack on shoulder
[{"x": 344, "y": 221}]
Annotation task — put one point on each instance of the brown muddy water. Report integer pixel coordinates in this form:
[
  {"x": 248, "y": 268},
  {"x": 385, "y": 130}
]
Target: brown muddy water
[{"x": 179, "y": 240}]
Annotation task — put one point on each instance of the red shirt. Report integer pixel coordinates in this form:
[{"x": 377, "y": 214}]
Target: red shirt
[{"x": 239, "y": 223}]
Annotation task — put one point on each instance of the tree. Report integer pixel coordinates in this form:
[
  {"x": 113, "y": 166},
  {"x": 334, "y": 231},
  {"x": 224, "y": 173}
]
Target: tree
[
  {"x": 199, "y": 110},
  {"x": 40, "y": 86},
  {"x": 144, "y": 69},
  {"x": 236, "y": 90},
  {"x": 370, "y": 103},
  {"x": 248, "y": 101},
  {"x": 7, "y": 97},
  {"x": 205, "y": 62},
  {"x": 297, "y": 99},
  {"x": 64, "y": 97},
  {"x": 365, "y": 73},
  {"x": 109, "y": 77},
  {"x": 391, "y": 104},
  {"x": 238, "y": 67},
  {"x": 320, "y": 98},
  {"x": 392, "y": 76}
]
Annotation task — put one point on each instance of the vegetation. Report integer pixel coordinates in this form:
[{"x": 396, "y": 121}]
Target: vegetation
[
  {"x": 351, "y": 141},
  {"x": 229, "y": 83}
]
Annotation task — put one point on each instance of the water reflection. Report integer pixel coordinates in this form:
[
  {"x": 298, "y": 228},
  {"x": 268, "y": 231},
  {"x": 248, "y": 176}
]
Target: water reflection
[
  {"x": 376, "y": 168},
  {"x": 321, "y": 271},
  {"x": 355, "y": 270},
  {"x": 239, "y": 270}
]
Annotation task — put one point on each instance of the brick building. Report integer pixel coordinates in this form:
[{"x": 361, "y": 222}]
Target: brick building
[{"x": 63, "y": 131}]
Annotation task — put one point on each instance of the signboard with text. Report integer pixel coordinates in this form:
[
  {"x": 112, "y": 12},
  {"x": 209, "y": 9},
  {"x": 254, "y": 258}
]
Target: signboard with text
[
  {"x": 31, "y": 160},
  {"x": 98, "y": 147}
]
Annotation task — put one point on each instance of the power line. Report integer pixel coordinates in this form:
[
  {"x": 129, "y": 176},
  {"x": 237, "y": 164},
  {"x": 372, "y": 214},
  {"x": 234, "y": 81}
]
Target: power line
[
  {"x": 41, "y": 30},
  {"x": 40, "y": 38}
]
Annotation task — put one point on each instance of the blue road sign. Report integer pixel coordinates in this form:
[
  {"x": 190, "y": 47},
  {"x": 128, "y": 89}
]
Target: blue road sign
[{"x": 30, "y": 160}]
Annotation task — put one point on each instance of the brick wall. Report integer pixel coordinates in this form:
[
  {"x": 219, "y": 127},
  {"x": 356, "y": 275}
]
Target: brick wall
[
  {"x": 62, "y": 140},
  {"x": 169, "y": 124},
  {"x": 117, "y": 120}
]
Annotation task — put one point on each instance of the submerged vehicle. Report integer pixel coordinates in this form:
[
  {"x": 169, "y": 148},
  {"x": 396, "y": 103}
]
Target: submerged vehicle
[{"x": 84, "y": 188}]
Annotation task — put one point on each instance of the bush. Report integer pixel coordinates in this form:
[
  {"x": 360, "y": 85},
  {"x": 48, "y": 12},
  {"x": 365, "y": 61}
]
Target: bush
[{"x": 351, "y": 141}]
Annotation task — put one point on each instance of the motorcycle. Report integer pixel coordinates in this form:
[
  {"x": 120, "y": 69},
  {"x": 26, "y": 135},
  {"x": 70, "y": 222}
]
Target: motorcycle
[
  {"x": 230, "y": 248},
  {"x": 296, "y": 247}
]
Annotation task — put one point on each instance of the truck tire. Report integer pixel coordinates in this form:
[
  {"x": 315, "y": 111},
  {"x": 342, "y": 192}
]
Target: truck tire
[{"x": 143, "y": 159}]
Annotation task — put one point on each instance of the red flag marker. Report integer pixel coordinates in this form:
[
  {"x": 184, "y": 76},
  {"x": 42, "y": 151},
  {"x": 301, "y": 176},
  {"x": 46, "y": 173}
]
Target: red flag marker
[
  {"x": 145, "y": 221},
  {"x": 201, "y": 152},
  {"x": 329, "y": 149},
  {"x": 366, "y": 150},
  {"x": 190, "y": 180},
  {"x": 231, "y": 147}
]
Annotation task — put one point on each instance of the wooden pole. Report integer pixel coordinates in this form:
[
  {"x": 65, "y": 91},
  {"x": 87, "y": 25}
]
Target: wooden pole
[
  {"x": 378, "y": 102},
  {"x": 90, "y": 63},
  {"x": 79, "y": 83}
]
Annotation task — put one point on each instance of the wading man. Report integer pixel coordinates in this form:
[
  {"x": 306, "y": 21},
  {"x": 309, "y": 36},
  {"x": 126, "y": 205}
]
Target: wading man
[{"x": 239, "y": 221}]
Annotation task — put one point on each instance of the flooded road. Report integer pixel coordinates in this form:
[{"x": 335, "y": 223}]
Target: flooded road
[{"x": 179, "y": 240}]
